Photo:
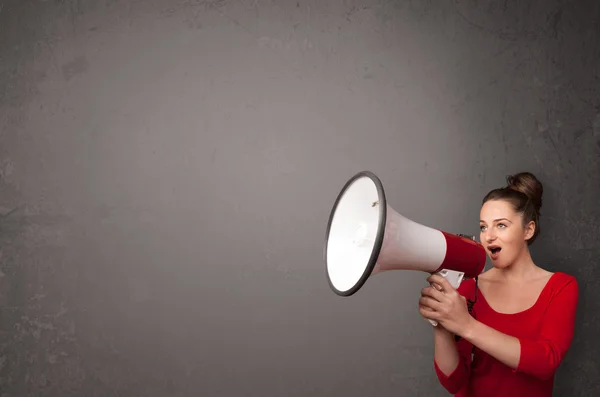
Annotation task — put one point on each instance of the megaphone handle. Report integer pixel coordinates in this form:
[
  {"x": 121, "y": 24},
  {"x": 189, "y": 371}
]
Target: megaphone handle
[{"x": 454, "y": 278}]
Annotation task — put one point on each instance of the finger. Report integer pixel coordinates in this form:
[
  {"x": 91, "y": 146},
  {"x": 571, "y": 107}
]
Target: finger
[
  {"x": 430, "y": 303},
  {"x": 426, "y": 291},
  {"x": 428, "y": 314},
  {"x": 433, "y": 293},
  {"x": 437, "y": 279}
]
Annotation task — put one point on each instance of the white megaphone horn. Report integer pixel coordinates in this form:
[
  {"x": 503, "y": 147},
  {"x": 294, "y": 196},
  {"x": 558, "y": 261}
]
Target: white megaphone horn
[{"x": 366, "y": 236}]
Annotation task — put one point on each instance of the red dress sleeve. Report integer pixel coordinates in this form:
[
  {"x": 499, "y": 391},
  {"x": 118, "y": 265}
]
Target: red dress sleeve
[
  {"x": 456, "y": 380},
  {"x": 541, "y": 356}
]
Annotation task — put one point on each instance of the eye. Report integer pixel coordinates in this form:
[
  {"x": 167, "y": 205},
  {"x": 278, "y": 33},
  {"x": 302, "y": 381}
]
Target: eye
[
  {"x": 501, "y": 225},
  {"x": 481, "y": 227}
]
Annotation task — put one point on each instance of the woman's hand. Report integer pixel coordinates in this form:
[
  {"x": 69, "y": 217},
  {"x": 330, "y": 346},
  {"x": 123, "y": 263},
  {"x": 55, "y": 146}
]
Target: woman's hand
[{"x": 442, "y": 303}]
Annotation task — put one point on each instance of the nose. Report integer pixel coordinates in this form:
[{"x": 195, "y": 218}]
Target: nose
[{"x": 489, "y": 236}]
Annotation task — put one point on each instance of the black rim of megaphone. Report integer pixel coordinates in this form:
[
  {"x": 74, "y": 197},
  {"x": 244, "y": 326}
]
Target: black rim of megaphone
[{"x": 379, "y": 236}]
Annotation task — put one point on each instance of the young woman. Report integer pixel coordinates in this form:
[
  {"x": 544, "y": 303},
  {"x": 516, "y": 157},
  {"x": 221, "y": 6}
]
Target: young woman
[{"x": 517, "y": 326}]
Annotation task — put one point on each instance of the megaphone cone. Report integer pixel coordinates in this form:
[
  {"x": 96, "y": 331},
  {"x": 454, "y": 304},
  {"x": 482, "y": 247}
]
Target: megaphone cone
[{"x": 366, "y": 236}]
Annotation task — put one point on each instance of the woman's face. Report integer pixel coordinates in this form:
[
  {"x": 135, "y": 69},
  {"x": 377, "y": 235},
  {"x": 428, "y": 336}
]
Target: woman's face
[{"x": 502, "y": 232}]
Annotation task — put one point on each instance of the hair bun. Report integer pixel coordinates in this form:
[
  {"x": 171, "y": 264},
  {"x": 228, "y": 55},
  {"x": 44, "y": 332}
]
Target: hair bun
[{"x": 529, "y": 185}]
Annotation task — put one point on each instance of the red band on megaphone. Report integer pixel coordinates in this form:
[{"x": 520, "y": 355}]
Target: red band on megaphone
[{"x": 463, "y": 255}]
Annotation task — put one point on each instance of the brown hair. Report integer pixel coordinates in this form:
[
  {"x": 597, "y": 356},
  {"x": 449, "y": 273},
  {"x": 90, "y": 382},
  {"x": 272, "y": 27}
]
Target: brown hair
[{"x": 524, "y": 192}]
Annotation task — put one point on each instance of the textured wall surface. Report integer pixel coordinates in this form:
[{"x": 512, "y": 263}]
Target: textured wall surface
[{"x": 167, "y": 168}]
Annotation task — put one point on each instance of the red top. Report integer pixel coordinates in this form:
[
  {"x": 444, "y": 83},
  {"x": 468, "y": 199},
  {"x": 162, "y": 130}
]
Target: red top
[{"x": 545, "y": 331}]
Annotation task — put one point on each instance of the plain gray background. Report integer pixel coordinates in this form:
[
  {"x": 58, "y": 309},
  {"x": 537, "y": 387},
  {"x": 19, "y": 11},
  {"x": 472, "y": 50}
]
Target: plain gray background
[{"x": 167, "y": 169}]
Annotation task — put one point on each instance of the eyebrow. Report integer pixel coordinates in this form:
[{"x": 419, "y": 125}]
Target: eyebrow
[{"x": 496, "y": 220}]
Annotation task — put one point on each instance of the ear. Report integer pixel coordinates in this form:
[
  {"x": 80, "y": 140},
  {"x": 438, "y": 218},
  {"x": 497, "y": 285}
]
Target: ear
[{"x": 529, "y": 230}]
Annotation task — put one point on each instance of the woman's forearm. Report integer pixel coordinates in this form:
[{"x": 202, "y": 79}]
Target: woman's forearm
[
  {"x": 446, "y": 353},
  {"x": 502, "y": 347}
]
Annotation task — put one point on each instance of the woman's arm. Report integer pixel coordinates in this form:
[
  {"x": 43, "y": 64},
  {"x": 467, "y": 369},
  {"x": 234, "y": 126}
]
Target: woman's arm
[
  {"x": 446, "y": 352},
  {"x": 504, "y": 348},
  {"x": 452, "y": 360},
  {"x": 541, "y": 355}
]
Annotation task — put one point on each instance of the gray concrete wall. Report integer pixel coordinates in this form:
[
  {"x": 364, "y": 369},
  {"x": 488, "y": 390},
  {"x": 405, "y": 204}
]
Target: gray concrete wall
[{"x": 167, "y": 169}]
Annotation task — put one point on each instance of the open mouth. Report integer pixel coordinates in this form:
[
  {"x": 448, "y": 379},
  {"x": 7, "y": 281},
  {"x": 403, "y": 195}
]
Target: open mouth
[{"x": 494, "y": 249}]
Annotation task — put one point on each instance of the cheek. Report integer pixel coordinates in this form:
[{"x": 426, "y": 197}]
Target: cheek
[{"x": 513, "y": 237}]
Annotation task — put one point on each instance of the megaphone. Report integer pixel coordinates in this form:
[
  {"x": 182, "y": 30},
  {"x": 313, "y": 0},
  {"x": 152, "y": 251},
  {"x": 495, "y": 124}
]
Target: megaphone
[{"x": 365, "y": 236}]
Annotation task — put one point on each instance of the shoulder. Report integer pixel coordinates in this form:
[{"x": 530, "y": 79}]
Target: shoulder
[
  {"x": 561, "y": 282},
  {"x": 562, "y": 287}
]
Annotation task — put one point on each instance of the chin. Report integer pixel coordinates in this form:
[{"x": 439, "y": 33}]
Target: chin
[{"x": 501, "y": 264}]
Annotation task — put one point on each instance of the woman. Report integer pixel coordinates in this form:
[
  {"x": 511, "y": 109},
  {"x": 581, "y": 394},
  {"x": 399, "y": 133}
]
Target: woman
[{"x": 519, "y": 321}]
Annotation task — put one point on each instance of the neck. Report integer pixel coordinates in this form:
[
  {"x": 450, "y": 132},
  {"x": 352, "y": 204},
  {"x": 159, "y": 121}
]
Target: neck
[{"x": 521, "y": 269}]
